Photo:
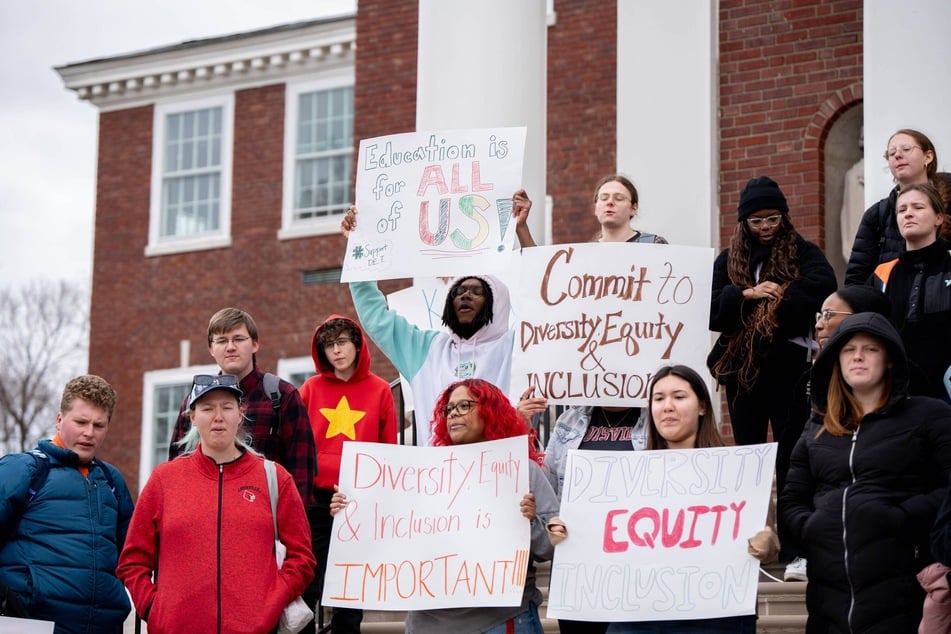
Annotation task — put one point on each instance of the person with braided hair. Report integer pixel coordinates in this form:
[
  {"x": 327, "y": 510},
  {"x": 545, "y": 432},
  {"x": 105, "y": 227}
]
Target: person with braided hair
[{"x": 767, "y": 287}]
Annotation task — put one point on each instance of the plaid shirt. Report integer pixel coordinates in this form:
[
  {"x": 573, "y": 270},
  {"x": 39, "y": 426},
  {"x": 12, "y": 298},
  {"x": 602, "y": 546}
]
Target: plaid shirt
[{"x": 293, "y": 444}]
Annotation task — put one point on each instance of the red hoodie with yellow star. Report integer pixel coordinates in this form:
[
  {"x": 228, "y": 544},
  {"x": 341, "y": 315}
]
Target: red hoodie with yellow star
[{"x": 359, "y": 408}]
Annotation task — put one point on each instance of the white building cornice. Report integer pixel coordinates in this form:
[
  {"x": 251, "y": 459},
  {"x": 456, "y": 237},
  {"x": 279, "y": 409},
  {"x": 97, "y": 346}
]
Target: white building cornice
[{"x": 229, "y": 62}]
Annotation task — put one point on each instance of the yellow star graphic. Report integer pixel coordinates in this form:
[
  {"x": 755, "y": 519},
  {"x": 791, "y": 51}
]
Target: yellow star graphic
[{"x": 342, "y": 419}]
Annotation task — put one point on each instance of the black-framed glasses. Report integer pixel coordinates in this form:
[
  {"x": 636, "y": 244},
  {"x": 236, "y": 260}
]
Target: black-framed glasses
[
  {"x": 339, "y": 342},
  {"x": 768, "y": 221},
  {"x": 826, "y": 314},
  {"x": 224, "y": 380},
  {"x": 460, "y": 407},
  {"x": 476, "y": 290}
]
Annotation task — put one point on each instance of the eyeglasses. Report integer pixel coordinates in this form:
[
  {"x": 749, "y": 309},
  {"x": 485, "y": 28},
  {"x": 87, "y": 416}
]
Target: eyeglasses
[
  {"x": 339, "y": 342},
  {"x": 476, "y": 290},
  {"x": 618, "y": 198},
  {"x": 237, "y": 340},
  {"x": 768, "y": 221},
  {"x": 892, "y": 152},
  {"x": 462, "y": 408},
  {"x": 826, "y": 314}
]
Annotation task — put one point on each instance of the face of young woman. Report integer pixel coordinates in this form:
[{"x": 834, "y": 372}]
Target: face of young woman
[
  {"x": 676, "y": 411},
  {"x": 918, "y": 221},
  {"x": 907, "y": 162},
  {"x": 464, "y": 428},
  {"x": 613, "y": 206},
  {"x": 864, "y": 361},
  {"x": 216, "y": 416},
  {"x": 764, "y": 225},
  {"x": 834, "y": 310}
]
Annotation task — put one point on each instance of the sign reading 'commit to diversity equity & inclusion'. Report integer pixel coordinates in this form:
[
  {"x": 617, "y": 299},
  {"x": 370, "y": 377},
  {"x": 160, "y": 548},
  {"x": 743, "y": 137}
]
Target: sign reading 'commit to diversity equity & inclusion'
[
  {"x": 595, "y": 320},
  {"x": 660, "y": 535},
  {"x": 430, "y": 527},
  {"x": 435, "y": 203}
]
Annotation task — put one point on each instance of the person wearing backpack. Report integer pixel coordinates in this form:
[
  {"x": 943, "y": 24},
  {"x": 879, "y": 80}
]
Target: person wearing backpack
[
  {"x": 64, "y": 514},
  {"x": 274, "y": 413}
]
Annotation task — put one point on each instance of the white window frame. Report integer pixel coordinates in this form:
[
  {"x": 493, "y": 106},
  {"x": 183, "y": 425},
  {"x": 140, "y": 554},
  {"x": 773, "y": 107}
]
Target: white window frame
[
  {"x": 294, "y": 365},
  {"x": 291, "y": 228},
  {"x": 222, "y": 237},
  {"x": 150, "y": 381}
]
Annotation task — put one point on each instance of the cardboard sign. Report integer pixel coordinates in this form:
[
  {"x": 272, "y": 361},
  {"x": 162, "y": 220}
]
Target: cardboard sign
[
  {"x": 430, "y": 527},
  {"x": 595, "y": 320},
  {"x": 435, "y": 202},
  {"x": 660, "y": 535}
]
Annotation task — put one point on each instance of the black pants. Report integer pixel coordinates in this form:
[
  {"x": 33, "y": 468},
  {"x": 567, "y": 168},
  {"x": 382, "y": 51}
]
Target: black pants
[
  {"x": 344, "y": 620},
  {"x": 770, "y": 400}
]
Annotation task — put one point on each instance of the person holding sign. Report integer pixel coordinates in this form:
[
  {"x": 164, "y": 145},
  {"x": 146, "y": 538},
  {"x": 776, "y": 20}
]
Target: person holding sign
[
  {"x": 767, "y": 287},
  {"x": 479, "y": 343},
  {"x": 200, "y": 554},
  {"x": 681, "y": 416},
  {"x": 865, "y": 482},
  {"x": 615, "y": 205},
  {"x": 473, "y": 411}
]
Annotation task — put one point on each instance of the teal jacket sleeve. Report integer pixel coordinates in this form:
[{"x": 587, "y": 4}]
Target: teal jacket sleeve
[{"x": 405, "y": 345}]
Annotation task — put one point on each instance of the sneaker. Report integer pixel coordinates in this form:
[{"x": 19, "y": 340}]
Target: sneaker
[{"x": 796, "y": 570}]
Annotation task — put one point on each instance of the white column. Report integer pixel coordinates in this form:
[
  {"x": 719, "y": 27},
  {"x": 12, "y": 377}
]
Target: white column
[
  {"x": 666, "y": 115},
  {"x": 482, "y": 64},
  {"x": 907, "y": 51}
]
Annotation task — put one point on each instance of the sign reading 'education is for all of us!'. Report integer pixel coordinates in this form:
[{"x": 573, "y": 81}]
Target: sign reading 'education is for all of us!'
[{"x": 435, "y": 203}]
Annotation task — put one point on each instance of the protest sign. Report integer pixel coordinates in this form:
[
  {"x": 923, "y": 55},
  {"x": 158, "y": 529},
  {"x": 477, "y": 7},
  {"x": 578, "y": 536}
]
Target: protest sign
[
  {"x": 430, "y": 527},
  {"x": 595, "y": 320},
  {"x": 435, "y": 202},
  {"x": 660, "y": 535}
]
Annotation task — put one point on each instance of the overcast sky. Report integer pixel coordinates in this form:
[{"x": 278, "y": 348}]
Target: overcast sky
[{"x": 48, "y": 147}]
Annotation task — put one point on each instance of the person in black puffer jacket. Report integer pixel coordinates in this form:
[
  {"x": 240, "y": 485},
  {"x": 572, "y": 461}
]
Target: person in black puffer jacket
[
  {"x": 865, "y": 482},
  {"x": 912, "y": 158}
]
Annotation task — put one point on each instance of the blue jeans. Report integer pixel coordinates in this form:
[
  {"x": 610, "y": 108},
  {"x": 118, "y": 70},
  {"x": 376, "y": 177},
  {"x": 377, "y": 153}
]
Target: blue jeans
[{"x": 525, "y": 623}]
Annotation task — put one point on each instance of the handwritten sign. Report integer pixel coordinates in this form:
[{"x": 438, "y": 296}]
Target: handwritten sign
[
  {"x": 595, "y": 320},
  {"x": 660, "y": 535},
  {"x": 430, "y": 527},
  {"x": 435, "y": 201}
]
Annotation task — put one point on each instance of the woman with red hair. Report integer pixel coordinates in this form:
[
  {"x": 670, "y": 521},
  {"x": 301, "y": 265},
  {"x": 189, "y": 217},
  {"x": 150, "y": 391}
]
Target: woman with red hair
[{"x": 470, "y": 411}]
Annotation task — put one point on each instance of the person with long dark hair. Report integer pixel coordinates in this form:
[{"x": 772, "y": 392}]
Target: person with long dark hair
[
  {"x": 767, "y": 287},
  {"x": 865, "y": 482}
]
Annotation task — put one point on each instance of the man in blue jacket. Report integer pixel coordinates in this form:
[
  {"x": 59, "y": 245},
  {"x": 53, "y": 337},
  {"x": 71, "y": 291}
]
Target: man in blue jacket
[{"x": 63, "y": 519}]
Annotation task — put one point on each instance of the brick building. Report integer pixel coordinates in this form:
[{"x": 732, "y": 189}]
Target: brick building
[{"x": 224, "y": 165}]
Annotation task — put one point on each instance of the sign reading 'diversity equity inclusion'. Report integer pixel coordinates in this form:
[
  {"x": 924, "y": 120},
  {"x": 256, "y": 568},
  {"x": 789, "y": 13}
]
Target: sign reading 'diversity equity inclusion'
[
  {"x": 660, "y": 535},
  {"x": 595, "y": 320},
  {"x": 430, "y": 527},
  {"x": 435, "y": 203}
]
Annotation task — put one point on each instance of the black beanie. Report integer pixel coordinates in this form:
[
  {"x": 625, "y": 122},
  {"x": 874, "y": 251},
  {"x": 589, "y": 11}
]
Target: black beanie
[{"x": 760, "y": 193}]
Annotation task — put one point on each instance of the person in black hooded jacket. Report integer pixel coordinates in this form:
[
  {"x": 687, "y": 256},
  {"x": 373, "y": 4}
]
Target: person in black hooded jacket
[{"x": 865, "y": 482}]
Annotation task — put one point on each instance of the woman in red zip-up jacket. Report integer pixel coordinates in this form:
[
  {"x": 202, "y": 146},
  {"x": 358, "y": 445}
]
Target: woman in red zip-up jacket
[{"x": 203, "y": 526}]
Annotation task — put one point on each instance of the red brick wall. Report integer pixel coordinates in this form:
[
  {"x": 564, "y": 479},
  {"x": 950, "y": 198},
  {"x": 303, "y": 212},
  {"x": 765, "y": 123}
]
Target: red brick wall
[
  {"x": 788, "y": 69},
  {"x": 582, "y": 112}
]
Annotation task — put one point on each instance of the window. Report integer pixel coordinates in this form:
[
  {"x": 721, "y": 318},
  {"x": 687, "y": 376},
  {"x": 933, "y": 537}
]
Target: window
[
  {"x": 191, "y": 176},
  {"x": 318, "y": 158},
  {"x": 163, "y": 391},
  {"x": 296, "y": 370}
]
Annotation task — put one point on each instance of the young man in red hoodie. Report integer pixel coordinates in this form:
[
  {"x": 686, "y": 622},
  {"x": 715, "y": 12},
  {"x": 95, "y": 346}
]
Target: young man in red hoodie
[{"x": 345, "y": 401}]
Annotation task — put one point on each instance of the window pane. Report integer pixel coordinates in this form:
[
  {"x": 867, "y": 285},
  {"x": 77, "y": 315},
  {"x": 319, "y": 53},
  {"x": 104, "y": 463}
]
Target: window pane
[
  {"x": 192, "y": 174},
  {"x": 167, "y": 400},
  {"x": 324, "y": 153}
]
